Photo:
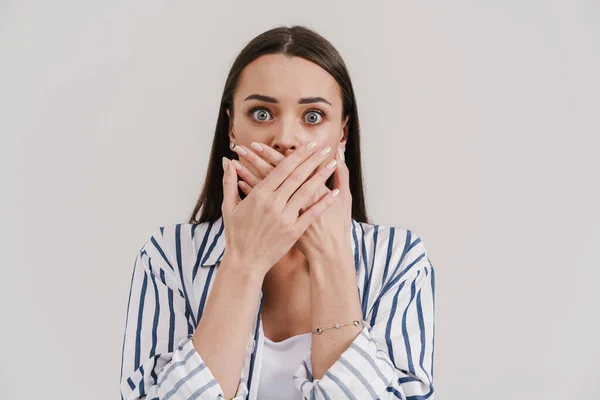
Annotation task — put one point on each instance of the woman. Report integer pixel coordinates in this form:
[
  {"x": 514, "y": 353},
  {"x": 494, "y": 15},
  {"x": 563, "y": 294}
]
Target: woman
[{"x": 279, "y": 287}]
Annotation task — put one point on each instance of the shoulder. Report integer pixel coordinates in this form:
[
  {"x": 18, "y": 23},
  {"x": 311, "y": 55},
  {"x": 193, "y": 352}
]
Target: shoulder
[
  {"x": 183, "y": 245},
  {"x": 169, "y": 242},
  {"x": 389, "y": 246}
]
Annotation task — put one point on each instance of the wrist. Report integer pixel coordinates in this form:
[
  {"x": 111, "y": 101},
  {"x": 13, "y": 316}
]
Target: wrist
[
  {"x": 247, "y": 269},
  {"x": 333, "y": 255},
  {"x": 323, "y": 268}
]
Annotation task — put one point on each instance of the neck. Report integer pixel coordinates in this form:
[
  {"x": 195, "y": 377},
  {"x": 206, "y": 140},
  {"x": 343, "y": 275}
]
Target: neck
[{"x": 288, "y": 282}]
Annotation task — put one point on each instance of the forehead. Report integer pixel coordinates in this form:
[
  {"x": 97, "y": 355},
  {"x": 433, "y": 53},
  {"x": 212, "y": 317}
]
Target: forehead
[{"x": 287, "y": 79}]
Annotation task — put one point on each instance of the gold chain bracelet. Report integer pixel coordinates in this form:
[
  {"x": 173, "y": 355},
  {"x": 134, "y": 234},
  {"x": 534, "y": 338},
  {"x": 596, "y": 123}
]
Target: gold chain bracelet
[{"x": 320, "y": 330}]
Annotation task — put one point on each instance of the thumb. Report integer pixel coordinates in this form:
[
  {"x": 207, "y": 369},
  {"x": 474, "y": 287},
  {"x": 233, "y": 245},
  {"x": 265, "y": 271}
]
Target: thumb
[
  {"x": 231, "y": 196},
  {"x": 341, "y": 174}
]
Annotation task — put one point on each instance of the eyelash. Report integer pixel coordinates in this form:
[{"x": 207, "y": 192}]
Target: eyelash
[{"x": 251, "y": 111}]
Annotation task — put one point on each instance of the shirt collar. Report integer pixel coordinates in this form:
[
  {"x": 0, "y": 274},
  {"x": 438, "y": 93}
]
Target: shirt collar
[{"x": 216, "y": 248}]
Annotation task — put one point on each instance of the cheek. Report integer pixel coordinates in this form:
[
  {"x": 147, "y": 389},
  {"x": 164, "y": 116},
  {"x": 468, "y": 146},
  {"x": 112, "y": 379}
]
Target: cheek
[
  {"x": 328, "y": 133},
  {"x": 246, "y": 132}
]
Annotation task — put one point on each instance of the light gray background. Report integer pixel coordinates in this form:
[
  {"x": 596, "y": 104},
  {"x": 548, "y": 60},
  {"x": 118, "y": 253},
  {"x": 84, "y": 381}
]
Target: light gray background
[{"x": 480, "y": 124}]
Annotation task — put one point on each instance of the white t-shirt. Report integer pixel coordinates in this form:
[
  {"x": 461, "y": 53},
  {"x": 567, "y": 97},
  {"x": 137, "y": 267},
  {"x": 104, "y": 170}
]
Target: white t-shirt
[{"x": 280, "y": 363}]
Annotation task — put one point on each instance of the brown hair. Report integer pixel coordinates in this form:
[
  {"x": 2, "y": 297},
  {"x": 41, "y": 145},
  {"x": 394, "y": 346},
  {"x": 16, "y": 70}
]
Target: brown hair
[{"x": 296, "y": 41}]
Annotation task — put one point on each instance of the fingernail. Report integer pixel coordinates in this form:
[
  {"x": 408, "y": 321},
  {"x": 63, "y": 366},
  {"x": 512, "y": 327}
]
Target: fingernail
[
  {"x": 237, "y": 164},
  {"x": 335, "y": 192},
  {"x": 225, "y": 163},
  {"x": 341, "y": 151},
  {"x": 240, "y": 150},
  {"x": 256, "y": 146},
  {"x": 310, "y": 146},
  {"x": 326, "y": 151},
  {"x": 331, "y": 164}
]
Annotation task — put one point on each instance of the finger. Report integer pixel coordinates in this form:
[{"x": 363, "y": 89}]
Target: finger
[
  {"x": 254, "y": 163},
  {"x": 310, "y": 188},
  {"x": 244, "y": 173},
  {"x": 286, "y": 167},
  {"x": 341, "y": 174},
  {"x": 231, "y": 197},
  {"x": 342, "y": 151},
  {"x": 322, "y": 190},
  {"x": 245, "y": 187},
  {"x": 301, "y": 175},
  {"x": 314, "y": 212},
  {"x": 267, "y": 153}
]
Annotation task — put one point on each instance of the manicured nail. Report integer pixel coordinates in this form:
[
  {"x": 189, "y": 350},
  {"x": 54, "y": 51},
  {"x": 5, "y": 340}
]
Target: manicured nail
[
  {"x": 225, "y": 163},
  {"x": 331, "y": 164},
  {"x": 237, "y": 164},
  {"x": 326, "y": 151},
  {"x": 310, "y": 146},
  {"x": 342, "y": 157},
  {"x": 256, "y": 146},
  {"x": 335, "y": 192},
  {"x": 240, "y": 150}
]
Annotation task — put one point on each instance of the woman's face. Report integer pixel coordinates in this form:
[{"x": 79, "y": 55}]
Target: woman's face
[{"x": 286, "y": 102}]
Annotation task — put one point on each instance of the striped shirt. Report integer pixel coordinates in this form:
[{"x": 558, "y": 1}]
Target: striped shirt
[{"x": 391, "y": 358}]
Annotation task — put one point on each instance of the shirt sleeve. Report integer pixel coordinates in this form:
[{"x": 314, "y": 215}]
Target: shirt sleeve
[
  {"x": 159, "y": 360},
  {"x": 392, "y": 357}
]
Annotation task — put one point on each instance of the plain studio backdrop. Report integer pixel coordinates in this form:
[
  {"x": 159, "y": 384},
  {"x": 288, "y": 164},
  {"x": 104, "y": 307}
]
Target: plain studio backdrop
[{"x": 480, "y": 125}]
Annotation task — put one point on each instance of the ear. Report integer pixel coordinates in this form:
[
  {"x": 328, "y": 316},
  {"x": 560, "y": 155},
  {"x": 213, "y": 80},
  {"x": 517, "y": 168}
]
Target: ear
[
  {"x": 344, "y": 134},
  {"x": 230, "y": 133}
]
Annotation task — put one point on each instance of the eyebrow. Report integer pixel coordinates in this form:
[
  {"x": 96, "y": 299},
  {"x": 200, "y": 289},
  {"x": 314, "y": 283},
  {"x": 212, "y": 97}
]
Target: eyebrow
[{"x": 304, "y": 100}]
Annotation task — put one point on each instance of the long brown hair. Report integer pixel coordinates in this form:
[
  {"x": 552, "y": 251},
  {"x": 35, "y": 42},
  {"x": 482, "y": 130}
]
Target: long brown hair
[{"x": 297, "y": 41}]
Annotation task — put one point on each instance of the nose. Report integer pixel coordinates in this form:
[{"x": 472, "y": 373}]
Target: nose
[{"x": 288, "y": 136}]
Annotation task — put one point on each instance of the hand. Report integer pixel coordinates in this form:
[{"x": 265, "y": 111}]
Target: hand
[
  {"x": 266, "y": 224},
  {"x": 260, "y": 164},
  {"x": 330, "y": 232}
]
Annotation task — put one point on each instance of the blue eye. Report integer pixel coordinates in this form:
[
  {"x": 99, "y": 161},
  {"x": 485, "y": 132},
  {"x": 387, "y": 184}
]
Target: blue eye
[
  {"x": 314, "y": 116},
  {"x": 260, "y": 114}
]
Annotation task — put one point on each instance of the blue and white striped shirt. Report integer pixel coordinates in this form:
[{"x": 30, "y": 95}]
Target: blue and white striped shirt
[{"x": 391, "y": 358}]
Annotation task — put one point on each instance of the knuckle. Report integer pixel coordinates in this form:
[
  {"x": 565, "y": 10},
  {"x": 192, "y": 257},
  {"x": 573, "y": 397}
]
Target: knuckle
[
  {"x": 288, "y": 168},
  {"x": 266, "y": 208},
  {"x": 270, "y": 205},
  {"x": 314, "y": 212},
  {"x": 295, "y": 230},
  {"x": 296, "y": 176},
  {"x": 304, "y": 191},
  {"x": 266, "y": 204},
  {"x": 260, "y": 196},
  {"x": 325, "y": 173},
  {"x": 288, "y": 220},
  {"x": 298, "y": 157}
]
